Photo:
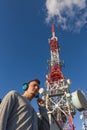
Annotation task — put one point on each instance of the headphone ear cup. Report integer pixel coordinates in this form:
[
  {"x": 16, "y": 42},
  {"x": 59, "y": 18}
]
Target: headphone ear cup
[{"x": 25, "y": 86}]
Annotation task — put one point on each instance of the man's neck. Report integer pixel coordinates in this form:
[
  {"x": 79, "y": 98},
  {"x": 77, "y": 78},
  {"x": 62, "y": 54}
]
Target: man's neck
[{"x": 27, "y": 96}]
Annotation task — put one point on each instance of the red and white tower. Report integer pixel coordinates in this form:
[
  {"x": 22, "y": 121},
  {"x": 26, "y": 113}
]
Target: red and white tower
[
  {"x": 58, "y": 95},
  {"x": 55, "y": 63},
  {"x": 60, "y": 103}
]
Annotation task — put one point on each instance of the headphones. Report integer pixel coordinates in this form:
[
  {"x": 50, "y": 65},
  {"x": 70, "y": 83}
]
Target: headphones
[{"x": 25, "y": 86}]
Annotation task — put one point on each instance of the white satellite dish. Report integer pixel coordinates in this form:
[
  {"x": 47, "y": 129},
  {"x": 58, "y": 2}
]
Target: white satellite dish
[{"x": 79, "y": 100}]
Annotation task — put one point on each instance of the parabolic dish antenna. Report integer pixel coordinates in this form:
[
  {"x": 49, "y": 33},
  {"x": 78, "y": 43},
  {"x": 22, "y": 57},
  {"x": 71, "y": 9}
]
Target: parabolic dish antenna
[{"x": 79, "y": 100}]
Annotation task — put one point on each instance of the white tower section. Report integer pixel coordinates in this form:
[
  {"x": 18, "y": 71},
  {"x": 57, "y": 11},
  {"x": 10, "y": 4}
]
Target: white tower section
[
  {"x": 84, "y": 118},
  {"x": 54, "y": 48}
]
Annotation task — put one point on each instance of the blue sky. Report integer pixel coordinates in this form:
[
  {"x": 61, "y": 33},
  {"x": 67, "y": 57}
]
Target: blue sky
[{"x": 24, "y": 48}]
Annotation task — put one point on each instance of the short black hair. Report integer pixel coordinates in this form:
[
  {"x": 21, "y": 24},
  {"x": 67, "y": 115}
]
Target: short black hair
[{"x": 37, "y": 80}]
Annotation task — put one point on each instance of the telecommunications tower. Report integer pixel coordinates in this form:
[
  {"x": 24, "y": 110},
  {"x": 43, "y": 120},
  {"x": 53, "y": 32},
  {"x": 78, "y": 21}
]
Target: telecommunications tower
[
  {"x": 60, "y": 103},
  {"x": 58, "y": 87}
]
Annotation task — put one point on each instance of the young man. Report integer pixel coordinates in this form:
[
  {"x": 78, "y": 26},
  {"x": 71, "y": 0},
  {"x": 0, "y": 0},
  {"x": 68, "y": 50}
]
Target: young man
[{"x": 16, "y": 112}]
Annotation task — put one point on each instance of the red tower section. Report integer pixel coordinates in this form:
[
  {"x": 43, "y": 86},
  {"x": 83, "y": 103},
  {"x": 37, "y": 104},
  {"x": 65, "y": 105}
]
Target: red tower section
[{"x": 55, "y": 66}]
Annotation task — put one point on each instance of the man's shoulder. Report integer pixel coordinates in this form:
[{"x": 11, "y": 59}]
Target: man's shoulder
[
  {"x": 10, "y": 96},
  {"x": 12, "y": 93}
]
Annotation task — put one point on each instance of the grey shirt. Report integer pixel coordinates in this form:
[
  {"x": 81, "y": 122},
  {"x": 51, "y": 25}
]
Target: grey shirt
[{"x": 16, "y": 113}]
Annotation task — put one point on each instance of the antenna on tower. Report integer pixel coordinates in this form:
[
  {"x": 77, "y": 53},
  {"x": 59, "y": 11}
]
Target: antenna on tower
[{"x": 53, "y": 32}]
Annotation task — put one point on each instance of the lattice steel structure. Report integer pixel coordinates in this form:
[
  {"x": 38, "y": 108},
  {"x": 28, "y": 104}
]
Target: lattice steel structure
[{"x": 58, "y": 97}]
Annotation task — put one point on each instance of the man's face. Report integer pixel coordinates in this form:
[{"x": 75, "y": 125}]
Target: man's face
[{"x": 33, "y": 88}]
